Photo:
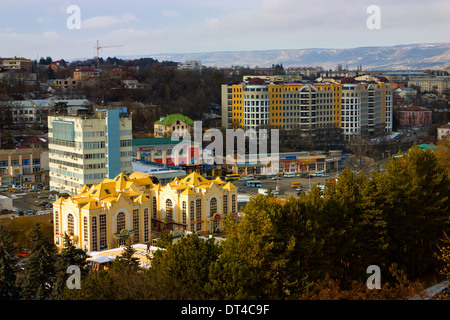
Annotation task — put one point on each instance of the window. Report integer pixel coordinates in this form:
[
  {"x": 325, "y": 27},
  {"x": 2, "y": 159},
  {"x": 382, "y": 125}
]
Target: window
[
  {"x": 212, "y": 207},
  {"x": 169, "y": 209},
  {"x": 191, "y": 215},
  {"x": 136, "y": 225},
  {"x": 225, "y": 205},
  {"x": 146, "y": 226},
  {"x": 70, "y": 224},
  {"x": 56, "y": 223},
  {"x": 154, "y": 212},
  {"x": 233, "y": 203},
  {"x": 184, "y": 214},
  {"x": 85, "y": 230},
  {"x": 120, "y": 225},
  {"x": 94, "y": 244},
  {"x": 120, "y": 222},
  {"x": 102, "y": 227},
  {"x": 198, "y": 210}
]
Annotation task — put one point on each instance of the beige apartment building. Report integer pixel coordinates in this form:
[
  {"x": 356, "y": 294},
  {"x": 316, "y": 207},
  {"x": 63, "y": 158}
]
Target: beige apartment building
[
  {"x": 86, "y": 147},
  {"x": 439, "y": 85}
]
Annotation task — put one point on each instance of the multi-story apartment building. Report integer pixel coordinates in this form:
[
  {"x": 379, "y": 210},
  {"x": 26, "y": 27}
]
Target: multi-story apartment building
[
  {"x": 34, "y": 112},
  {"x": 88, "y": 146},
  {"x": 16, "y": 64},
  {"x": 353, "y": 106},
  {"x": 136, "y": 208},
  {"x": 439, "y": 85}
]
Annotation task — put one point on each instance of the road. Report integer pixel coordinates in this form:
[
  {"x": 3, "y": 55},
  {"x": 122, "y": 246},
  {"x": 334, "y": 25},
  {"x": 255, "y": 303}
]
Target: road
[{"x": 284, "y": 184}]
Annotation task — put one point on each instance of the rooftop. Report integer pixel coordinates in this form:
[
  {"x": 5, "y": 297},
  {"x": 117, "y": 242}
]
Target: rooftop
[{"x": 171, "y": 118}]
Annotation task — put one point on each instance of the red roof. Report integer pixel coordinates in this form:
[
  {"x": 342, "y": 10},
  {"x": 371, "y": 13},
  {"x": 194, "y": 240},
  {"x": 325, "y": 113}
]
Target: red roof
[{"x": 348, "y": 80}]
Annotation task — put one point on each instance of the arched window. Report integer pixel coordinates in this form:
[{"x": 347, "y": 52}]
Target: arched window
[
  {"x": 233, "y": 203},
  {"x": 56, "y": 222},
  {"x": 94, "y": 243},
  {"x": 169, "y": 209},
  {"x": 120, "y": 222},
  {"x": 70, "y": 224},
  {"x": 184, "y": 213},
  {"x": 146, "y": 226},
  {"x": 225, "y": 204},
  {"x": 154, "y": 209},
  {"x": 85, "y": 230},
  {"x": 212, "y": 207}
]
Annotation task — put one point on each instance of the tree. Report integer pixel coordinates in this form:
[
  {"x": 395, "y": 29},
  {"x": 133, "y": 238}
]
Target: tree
[
  {"x": 39, "y": 274},
  {"x": 8, "y": 289},
  {"x": 442, "y": 153},
  {"x": 126, "y": 261},
  {"x": 185, "y": 266},
  {"x": 266, "y": 254},
  {"x": 417, "y": 203},
  {"x": 69, "y": 255}
]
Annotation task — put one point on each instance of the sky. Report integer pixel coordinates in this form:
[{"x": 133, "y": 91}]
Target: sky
[{"x": 34, "y": 29}]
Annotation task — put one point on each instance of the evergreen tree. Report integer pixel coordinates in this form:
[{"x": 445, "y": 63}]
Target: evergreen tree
[
  {"x": 126, "y": 261},
  {"x": 185, "y": 266},
  {"x": 39, "y": 274},
  {"x": 266, "y": 254},
  {"x": 8, "y": 289},
  {"x": 69, "y": 255},
  {"x": 417, "y": 206}
]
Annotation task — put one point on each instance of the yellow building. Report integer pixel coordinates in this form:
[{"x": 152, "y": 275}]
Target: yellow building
[
  {"x": 259, "y": 102},
  {"x": 137, "y": 207}
]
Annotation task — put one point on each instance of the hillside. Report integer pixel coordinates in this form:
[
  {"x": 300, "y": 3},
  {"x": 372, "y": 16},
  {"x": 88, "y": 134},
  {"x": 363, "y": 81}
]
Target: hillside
[{"x": 400, "y": 57}]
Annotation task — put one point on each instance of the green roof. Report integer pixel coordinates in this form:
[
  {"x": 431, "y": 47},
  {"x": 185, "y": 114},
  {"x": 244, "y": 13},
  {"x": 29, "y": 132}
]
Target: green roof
[
  {"x": 153, "y": 141},
  {"x": 425, "y": 146},
  {"x": 171, "y": 118},
  {"x": 157, "y": 141}
]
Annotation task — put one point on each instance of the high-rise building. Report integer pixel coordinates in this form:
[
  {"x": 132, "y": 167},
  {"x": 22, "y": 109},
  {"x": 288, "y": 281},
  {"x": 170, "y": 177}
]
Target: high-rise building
[
  {"x": 86, "y": 147},
  {"x": 353, "y": 106}
]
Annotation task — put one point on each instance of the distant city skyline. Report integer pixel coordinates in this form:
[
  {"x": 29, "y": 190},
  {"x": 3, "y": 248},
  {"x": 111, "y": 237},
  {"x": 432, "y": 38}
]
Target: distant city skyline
[{"x": 36, "y": 29}]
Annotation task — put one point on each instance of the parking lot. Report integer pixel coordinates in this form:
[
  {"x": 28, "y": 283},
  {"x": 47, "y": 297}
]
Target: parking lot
[
  {"x": 29, "y": 200},
  {"x": 284, "y": 184}
]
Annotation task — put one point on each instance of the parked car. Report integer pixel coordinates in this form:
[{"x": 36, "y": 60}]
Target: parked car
[
  {"x": 276, "y": 177},
  {"x": 262, "y": 177},
  {"x": 42, "y": 196},
  {"x": 303, "y": 175}
]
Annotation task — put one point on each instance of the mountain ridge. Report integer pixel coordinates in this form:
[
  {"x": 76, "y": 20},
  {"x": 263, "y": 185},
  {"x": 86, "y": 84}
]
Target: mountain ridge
[{"x": 398, "y": 57}]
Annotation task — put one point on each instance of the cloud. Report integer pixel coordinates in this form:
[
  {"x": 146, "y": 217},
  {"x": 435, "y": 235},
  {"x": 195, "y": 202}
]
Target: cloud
[
  {"x": 170, "y": 13},
  {"x": 107, "y": 21}
]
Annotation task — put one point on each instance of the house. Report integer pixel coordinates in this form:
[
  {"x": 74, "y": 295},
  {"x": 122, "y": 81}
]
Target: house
[
  {"x": 173, "y": 122},
  {"x": 443, "y": 132}
]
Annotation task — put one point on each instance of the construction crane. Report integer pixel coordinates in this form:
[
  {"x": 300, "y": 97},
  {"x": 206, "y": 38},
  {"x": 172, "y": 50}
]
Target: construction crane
[{"x": 100, "y": 48}]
